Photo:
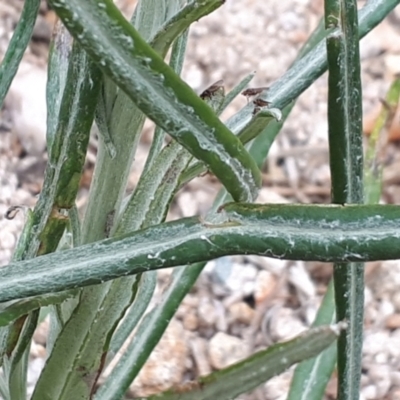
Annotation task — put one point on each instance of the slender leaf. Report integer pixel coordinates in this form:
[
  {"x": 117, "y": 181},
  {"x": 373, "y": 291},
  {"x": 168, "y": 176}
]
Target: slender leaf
[
  {"x": 144, "y": 295},
  {"x": 17, "y": 368},
  {"x": 248, "y": 374},
  {"x": 17, "y": 46},
  {"x": 151, "y": 15},
  {"x": 179, "y": 22},
  {"x": 311, "y": 377},
  {"x": 185, "y": 274},
  {"x": 23, "y": 307},
  {"x": 4, "y": 393},
  {"x": 73, "y": 105},
  {"x": 236, "y": 91}
]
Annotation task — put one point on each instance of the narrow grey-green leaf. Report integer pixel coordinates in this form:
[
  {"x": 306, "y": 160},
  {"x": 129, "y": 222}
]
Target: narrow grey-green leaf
[
  {"x": 25, "y": 306},
  {"x": 246, "y": 375},
  {"x": 236, "y": 91},
  {"x": 151, "y": 15},
  {"x": 4, "y": 393},
  {"x": 311, "y": 376},
  {"x": 179, "y": 22},
  {"x": 68, "y": 137},
  {"x": 145, "y": 292},
  {"x": 135, "y": 212},
  {"x": 16, "y": 48}
]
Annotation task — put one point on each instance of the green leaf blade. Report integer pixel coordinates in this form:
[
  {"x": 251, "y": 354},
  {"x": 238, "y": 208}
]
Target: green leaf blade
[{"x": 18, "y": 44}]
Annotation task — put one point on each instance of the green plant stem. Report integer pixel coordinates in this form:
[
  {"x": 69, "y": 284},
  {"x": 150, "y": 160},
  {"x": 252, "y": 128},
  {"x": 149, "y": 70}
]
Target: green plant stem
[
  {"x": 346, "y": 161},
  {"x": 307, "y": 232}
]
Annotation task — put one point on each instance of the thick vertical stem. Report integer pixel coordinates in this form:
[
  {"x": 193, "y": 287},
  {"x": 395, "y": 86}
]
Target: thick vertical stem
[{"x": 346, "y": 155}]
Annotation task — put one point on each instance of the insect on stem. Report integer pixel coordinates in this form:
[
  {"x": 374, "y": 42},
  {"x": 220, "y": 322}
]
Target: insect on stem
[
  {"x": 261, "y": 103},
  {"x": 250, "y": 92},
  {"x": 258, "y": 104},
  {"x": 211, "y": 90}
]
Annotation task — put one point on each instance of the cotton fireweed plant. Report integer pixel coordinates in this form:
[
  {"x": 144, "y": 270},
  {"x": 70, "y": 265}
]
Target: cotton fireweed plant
[{"x": 95, "y": 276}]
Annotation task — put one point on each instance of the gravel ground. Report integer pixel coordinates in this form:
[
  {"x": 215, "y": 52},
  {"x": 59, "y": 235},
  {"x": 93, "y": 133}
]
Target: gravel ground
[{"x": 239, "y": 304}]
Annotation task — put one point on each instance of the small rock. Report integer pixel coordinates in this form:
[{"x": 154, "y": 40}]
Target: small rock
[
  {"x": 206, "y": 312},
  {"x": 396, "y": 301},
  {"x": 300, "y": 279},
  {"x": 270, "y": 264},
  {"x": 190, "y": 321},
  {"x": 276, "y": 388},
  {"x": 393, "y": 321},
  {"x": 265, "y": 286},
  {"x": 394, "y": 394},
  {"x": 198, "y": 347},
  {"x": 241, "y": 312},
  {"x": 267, "y": 196},
  {"x": 281, "y": 323},
  {"x": 236, "y": 277},
  {"x": 225, "y": 350},
  {"x": 369, "y": 392},
  {"x": 375, "y": 342},
  {"x": 380, "y": 375},
  {"x": 166, "y": 364},
  {"x": 242, "y": 278},
  {"x": 221, "y": 324}
]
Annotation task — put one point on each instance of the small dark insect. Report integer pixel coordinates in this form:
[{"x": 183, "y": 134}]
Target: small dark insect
[
  {"x": 258, "y": 104},
  {"x": 12, "y": 212},
  {"x": 254, "y": 91},
  {"x": 261, "y": 103},
  {"x": 207, "y": 94}
]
